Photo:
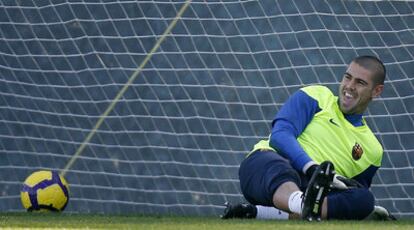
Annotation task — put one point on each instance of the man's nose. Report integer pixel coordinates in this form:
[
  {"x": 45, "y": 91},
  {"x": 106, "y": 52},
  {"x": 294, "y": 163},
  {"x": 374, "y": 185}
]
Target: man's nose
[{"x": 351, "y": 85}]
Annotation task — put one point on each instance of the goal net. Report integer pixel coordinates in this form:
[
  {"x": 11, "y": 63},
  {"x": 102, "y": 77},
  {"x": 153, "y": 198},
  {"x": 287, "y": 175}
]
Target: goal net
[{"x": 150, "y": 106}]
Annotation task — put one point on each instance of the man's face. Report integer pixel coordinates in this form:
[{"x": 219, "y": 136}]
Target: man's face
[{"x": 357, "y": 89}]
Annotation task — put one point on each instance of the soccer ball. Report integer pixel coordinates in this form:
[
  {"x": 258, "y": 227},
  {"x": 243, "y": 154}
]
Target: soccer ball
[{"x": 45, "y": 191}]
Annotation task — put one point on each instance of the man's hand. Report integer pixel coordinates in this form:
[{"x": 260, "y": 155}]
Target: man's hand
[
  {"x": 339, "y": 182},
  {"x": 342, "y": 183}
]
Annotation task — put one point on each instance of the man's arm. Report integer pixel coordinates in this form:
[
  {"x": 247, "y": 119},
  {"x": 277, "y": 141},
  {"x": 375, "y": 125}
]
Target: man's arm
[{"x": 289, "y": 123}]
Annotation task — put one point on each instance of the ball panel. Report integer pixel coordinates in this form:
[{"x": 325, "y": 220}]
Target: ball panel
[
  {"x": 64, "y": 186},
  {"x": 37, "y": 177},
  {"x": 24, "y": 196},
  {"x": 63, "y": 181},
  {"x": 31, "y": 194},
  {"x": 52, "y": 196}
]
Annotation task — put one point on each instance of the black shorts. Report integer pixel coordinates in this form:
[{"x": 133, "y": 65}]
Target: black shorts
[{"x": 262, "y": 173}]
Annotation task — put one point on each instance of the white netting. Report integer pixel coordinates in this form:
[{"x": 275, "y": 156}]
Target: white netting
[{"x": 174, "y": 140}]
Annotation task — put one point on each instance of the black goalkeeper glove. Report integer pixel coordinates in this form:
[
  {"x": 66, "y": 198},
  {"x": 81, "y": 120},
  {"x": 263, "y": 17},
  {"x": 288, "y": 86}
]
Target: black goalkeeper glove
[{"x": 339, "y": 182}]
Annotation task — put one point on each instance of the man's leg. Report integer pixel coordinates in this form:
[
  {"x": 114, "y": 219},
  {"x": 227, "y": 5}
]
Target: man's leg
[
  {"x": 350, "y": 204},
  {"x": 281, "y": 198},
  {"x": 287, "y": 193},
  {"x": 318, "y": 188},
  {"x": 268, "y": 179},
  {"x": 262, "y": 173},
  {"x": 311, "y": 205},
  {"x": 250, "y": 211}
]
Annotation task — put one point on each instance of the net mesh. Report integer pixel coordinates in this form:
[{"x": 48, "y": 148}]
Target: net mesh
[{"x": 174, "y": 140}]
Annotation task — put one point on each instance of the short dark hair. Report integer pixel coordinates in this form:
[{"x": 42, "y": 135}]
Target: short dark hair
[{"x": 375, "y": 65}]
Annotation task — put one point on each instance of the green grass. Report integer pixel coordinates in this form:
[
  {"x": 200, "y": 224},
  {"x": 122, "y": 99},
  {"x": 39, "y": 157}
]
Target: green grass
[{"x": 82, "y": 221}]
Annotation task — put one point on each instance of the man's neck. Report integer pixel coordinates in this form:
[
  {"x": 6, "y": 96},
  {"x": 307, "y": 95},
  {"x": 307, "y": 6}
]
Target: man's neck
[{"x": 354, "y": 119}]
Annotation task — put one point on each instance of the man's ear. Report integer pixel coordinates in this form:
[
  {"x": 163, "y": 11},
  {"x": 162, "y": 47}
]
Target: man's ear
[{"x": 377, "y": 90}]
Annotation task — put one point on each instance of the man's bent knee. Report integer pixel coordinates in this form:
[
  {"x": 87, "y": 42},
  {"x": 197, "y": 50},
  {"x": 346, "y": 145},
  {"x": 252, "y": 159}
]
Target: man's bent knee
[
  {"x": 351, "y": 204},
  {"x": 262, "y": 173}
]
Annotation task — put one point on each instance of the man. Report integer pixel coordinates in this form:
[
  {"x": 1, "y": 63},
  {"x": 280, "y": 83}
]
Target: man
[{"x": 321, "y": 156}]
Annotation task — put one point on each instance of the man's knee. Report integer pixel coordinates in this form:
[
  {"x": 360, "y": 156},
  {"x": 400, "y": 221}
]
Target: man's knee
[
  {"x": 262, "y": 173},
  {"x": 352, "y": 204}
]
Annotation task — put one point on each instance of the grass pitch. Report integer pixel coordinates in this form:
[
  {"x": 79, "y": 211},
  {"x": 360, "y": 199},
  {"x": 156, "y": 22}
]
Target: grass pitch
[{"x": 82, "y": 221}]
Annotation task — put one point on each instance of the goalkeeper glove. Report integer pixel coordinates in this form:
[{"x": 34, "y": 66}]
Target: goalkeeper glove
[
  {"x": 342, "y": 183},
  {"x": 339, "y": 182}
]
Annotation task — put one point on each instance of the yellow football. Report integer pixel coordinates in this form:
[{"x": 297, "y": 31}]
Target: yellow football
[{"x": 45, "y": 191}]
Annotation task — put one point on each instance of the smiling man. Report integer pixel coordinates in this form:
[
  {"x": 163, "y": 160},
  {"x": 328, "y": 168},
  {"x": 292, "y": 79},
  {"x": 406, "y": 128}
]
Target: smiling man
[
  {"x": 321, "y": 156},
  {"x": 363, "y": 80}
]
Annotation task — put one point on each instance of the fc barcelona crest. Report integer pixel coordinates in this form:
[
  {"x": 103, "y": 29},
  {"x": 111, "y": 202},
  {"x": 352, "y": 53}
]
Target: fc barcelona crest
[{"x": 357, "y": 151}]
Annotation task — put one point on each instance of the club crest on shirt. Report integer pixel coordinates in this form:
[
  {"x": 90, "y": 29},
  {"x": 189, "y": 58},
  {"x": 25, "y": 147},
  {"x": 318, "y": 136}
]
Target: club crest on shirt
[{"x": 357, "y": 151}]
